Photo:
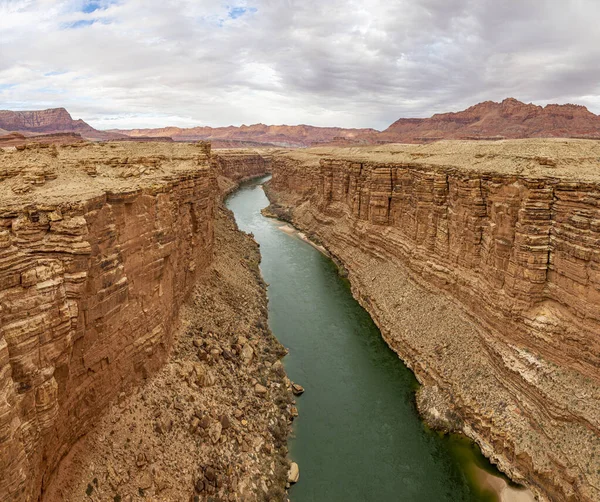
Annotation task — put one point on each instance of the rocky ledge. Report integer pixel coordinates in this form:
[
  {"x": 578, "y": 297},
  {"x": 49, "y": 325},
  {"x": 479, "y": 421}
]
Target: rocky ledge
[{"x": 480, "y": 263}]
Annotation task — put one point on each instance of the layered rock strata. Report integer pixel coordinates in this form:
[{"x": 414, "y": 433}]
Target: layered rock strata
[
  {"x": 99, "y": 246},
  {"x": 480, "y": 262}
]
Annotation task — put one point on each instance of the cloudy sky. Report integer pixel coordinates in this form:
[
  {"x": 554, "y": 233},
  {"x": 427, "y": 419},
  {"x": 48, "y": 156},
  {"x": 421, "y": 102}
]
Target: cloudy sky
[{"x": 149, "y": 63}]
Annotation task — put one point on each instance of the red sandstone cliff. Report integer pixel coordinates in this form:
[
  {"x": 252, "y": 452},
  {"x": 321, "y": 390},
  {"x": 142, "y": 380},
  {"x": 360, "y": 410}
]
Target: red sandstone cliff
[
  {"x": 99, "y": 247},
  {"x": 480, "y": 263}
]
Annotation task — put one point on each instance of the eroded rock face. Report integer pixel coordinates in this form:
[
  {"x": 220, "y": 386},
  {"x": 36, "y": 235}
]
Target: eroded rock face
[
  {"x": 95, "y": 261},
  {"x": 480, "y": 263},
  {"x": 239, "y": 165}
]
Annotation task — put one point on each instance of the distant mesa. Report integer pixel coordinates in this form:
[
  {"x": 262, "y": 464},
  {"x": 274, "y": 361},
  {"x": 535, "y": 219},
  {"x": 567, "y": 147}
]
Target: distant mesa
[
  {"x": 257, "y": 135},
  {"x": 489, "y": 120},
  {"x": 55, "y": 120},
  {"x": 509, "y": 119}
]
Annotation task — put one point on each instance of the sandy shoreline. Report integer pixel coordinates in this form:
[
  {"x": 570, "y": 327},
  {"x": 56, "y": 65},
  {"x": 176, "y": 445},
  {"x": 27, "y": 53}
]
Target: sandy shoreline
[
  {"x": 288, "y": 229},
  {"x": 504, "y": 491}
]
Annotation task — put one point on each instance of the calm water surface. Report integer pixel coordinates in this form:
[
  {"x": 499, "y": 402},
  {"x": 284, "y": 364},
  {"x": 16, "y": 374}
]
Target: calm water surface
[{"x": 358, "y": 437}]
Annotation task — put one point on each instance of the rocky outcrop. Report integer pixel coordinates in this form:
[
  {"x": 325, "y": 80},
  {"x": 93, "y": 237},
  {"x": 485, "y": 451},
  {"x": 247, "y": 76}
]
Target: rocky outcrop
[
  {"x": 99, "y": 247},
  {"x": 54, "y": 120},
  {"x": 479, "y": 262}
]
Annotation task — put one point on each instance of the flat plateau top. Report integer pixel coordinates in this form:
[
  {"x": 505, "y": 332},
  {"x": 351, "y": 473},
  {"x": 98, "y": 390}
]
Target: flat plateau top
[
  {"x": 75, "y": 173},
  {"x": 564, "y": 159}
]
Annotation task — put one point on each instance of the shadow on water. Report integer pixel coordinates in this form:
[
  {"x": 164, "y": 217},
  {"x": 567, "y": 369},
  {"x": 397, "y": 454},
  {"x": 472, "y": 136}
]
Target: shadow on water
[{"x": 358, "y": 436}]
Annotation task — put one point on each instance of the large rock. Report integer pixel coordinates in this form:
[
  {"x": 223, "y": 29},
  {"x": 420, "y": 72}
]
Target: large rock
[
  {"x": 246, "y": 354},
  {"x": 293, "y": 473}
]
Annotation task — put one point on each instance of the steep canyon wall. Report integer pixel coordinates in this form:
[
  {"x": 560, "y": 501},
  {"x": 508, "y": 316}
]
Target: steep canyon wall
[
  {"x": 481, "y": 265},
  {"x": 99, "y": 247},
  {"x": 233, "y": 166}
]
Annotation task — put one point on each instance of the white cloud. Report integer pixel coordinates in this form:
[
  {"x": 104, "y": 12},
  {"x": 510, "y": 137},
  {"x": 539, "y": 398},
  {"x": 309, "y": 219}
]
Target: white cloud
[{"x": 130, "y": 63}]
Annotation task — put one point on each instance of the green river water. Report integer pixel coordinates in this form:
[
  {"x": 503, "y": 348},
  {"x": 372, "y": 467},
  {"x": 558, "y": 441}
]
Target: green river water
[{"x": 358, "y": 436}]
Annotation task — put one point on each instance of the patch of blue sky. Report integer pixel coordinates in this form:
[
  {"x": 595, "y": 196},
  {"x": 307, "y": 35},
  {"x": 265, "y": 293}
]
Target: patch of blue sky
[
  {"x": 83, "y": 23},
  {"x": 4, "y": 87},
  {"x": 54, "y": 73},
  {"x": 90, "y": 7},
  {"x": 93, "y": 5},
  {"x": 235, "y": 12}
]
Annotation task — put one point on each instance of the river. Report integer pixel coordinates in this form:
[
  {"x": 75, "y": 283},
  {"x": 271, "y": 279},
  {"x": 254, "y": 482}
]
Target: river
[{"x": 358, "y": 436}]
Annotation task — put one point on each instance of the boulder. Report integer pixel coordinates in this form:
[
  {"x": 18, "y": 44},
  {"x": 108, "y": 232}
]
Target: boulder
[{"x": 293, "y": 473}]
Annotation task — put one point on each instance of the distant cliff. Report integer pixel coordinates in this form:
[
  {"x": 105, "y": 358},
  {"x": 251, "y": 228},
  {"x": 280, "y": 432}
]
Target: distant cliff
[
  {"x": 258, "y": 134},
  {"x": 54, "y": 120},
  {"x": 510, "y": 119}
]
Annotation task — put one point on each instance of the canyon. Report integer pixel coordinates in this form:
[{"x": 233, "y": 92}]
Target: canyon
[
  {"x": 101, "y": 246},
  {"x": 135, "y": 354},
  {"x": 479, "y": 262}
]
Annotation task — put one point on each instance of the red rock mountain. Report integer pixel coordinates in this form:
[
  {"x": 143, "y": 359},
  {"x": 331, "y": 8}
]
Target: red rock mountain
[
  {"x": 54, "y": 120},
  {"x": 490, "y": 120},
  {"x": 275, "y": 135}
]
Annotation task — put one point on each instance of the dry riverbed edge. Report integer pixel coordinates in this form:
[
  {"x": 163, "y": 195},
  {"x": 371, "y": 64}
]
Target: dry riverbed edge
[{"x": 212, "y": 424}]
